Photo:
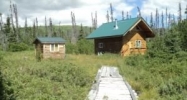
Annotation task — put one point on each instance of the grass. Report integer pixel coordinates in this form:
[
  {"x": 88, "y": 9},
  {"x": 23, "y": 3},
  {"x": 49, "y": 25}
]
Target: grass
[
  {"x": 66, "y": 79},
  {"x": 71, "y": 78}
]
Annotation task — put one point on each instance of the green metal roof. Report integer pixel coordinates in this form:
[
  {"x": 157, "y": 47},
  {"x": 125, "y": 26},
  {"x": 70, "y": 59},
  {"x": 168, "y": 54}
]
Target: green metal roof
[
  {"x": 50, "y": 40},
  {"x": 108, "y": 30}
]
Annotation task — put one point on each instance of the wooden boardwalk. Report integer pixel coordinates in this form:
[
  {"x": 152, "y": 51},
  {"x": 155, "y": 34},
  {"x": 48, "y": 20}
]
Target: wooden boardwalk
[{"x": 110, "y": 85}]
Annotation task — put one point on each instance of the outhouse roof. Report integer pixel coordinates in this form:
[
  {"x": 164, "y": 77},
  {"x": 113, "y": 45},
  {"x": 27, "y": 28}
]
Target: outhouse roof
[{"x": 49, "y": 40}]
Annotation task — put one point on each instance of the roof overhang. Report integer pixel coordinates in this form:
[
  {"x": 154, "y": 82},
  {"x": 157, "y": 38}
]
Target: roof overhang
[
  {"x": 141, "y": 22},
  {"x": 105, "y": 37},
  {"x": 47, "y": 41}
]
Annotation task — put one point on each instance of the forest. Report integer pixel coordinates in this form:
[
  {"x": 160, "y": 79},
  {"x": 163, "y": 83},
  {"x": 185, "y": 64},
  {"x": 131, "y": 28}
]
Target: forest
[{"x": 160, "y": 74}]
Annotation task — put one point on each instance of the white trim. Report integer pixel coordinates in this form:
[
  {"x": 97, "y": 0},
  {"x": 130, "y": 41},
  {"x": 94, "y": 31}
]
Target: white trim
[
  {"x": 54, "y": 48},
  {"x": 138, "y": 44},
  {"x": 133, "y": 26}
]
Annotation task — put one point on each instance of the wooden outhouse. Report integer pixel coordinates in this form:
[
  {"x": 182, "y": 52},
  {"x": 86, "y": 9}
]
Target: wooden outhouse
[
  {"x": 50, "y": 47},
  {"x": 125, "y": 36}
]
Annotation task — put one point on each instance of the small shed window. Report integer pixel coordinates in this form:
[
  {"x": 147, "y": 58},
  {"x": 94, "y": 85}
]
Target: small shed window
[
  {"x": 54, "y": 47},
  {"x": 100, "y": 45},
  {"x": 138, "y": 44}
]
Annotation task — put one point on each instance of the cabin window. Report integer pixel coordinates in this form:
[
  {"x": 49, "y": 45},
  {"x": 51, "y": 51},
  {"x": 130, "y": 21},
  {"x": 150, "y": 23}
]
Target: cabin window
[
  {"x": 138, "y": 44},
  {"x": 54, "y": 47},
  {"x": 100, "y": 45}
]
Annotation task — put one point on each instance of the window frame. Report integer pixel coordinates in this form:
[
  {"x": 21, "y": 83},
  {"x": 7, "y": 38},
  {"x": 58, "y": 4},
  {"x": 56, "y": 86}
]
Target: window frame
[
  {"x": 53, "y": 47},
  {"x": 138, "y": 44},
  {"x": 100, "y": 45}
]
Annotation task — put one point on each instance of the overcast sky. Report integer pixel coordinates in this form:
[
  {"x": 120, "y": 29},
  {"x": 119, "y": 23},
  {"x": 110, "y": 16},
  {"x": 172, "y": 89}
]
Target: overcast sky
[{"x": 60, "y": 10}]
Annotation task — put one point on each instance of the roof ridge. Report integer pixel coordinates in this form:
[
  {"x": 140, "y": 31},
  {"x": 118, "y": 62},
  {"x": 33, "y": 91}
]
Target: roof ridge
[{"x": 123, "y": 20}]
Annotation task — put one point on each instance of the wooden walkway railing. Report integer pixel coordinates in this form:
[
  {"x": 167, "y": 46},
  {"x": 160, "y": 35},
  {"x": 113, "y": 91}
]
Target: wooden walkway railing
[{"x": 110, "y": 85}]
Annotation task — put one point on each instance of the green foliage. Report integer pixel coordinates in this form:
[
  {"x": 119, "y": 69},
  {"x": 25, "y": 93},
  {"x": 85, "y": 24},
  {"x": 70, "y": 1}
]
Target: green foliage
[
  {"x": 1, "y": 55},
  {"x": 167, "y": 77},
  {"x": 183, "y": 30},
  {"x": 48, "y": 79},
  {"x": 83, "y": 46},
  {"x": 15, "y": 47},
  {"x": 71, "y": 48},
  {"x": 162, "y": 69},
  {"x": 160, "y": 74},
  {"x": 6, "y": 90}
]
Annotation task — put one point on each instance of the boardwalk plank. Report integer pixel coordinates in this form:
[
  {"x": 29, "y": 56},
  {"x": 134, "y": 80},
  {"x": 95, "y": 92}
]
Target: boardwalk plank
[{"x": 110, "y": 85}]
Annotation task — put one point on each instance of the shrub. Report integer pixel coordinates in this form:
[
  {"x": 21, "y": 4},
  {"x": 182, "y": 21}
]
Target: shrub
[
  {"x": 71, "y": 48},
  {"x": 85, "y": 46},
  {"x": 15, "y": 47}
]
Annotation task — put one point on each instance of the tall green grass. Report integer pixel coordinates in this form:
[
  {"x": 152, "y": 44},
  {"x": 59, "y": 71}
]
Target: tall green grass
[
  {"x": 153, "y": 78},
  {"x": 67, "y": 79},
  {"x": 157, "y": 78}
]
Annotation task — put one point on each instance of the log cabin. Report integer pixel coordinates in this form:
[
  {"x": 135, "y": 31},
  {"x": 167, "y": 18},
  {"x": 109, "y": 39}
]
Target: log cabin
[
  {"x": 50, "y": 47},
  {"x": 125, "y": 37}
]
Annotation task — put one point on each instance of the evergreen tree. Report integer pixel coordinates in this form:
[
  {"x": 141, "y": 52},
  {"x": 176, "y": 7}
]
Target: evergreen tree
[
  {"x": 7, "y": 30},
  {"x": 81, "y": 33}
]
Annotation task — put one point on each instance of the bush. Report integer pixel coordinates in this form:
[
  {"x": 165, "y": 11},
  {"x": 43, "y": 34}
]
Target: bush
[
  {"x": 1, "y": 56},
  {"x": 15, "y": 47},
  {"x": 71, "y": 48},
  {"x": 85, "y": 46}
]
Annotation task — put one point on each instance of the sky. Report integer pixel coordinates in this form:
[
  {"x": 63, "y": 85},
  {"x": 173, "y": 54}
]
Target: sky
[{"x": 60, "y": 10}]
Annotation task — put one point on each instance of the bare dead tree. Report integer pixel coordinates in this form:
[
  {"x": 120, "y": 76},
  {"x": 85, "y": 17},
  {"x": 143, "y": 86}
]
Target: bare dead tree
[
  {"x": 107, "y": 17},
  {"x": 111, "y": 12},
  {"x": 139, "y": 13},
  {"x": 162, "y": 17},
  {"x": 50, "y": 27},
  {"x": 92, "y": 20},
  {"x": 180, "y": 14},
  {"x": 186, "y": 12},
  {"x": 46, "y": 32},
  {"x": 173, "y": 19},
  {"x": 1, "y": 30},
  {"x": 156, "y": 20},
  {"x": 151, "y": 20},
  {"x": 123, "y": 17},
  {"x": 37, "y": 33},
  {"x": 34, "y": 29},
  {"x": 26, "y": 25},
  {"x": 169, "y": 20},
  {"x": 59, "y": 29},
  {"x": 74, "y": 33},
  {"x": 166, "y": 17},
  {"x": 16, "y": 15},
  {"x": 95, "y": 20},
  {"x": 11, "y": 14},
  {"x": 162, "y": 23},
  {"x": 1, "y": 22},
  {"x": 16, "y": 20},
  {"x": 127, "y": 16}
]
